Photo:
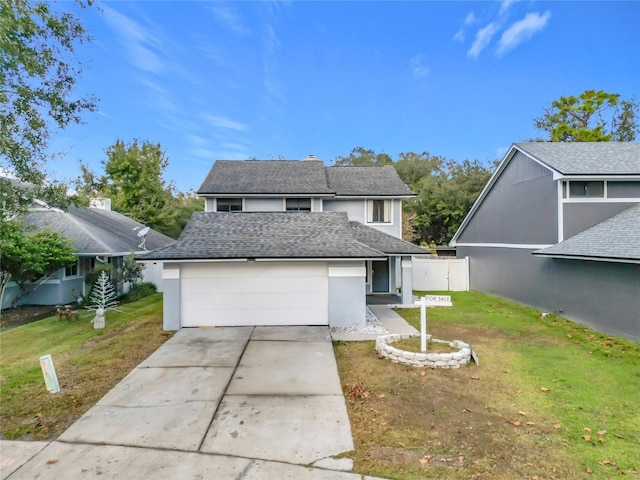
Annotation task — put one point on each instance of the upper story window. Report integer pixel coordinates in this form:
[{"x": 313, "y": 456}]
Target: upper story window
[
  {"x": 71, "y": 270},
  {"x": 378, "y": 211},
  {"x": 586, "y": 189},
  {"x": 298, "y": 205},
  {"x": 229, "y": 205}
]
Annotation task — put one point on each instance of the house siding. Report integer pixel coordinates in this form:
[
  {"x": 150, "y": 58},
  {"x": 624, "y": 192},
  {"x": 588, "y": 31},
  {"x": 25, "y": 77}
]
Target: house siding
[
  {"x": 601, "y": 295},
  {"x": 521, "y": 207},
  {"x": 580, "y": 216},
  {"x": 356, "y": 211},
  {"x": 264, "y": 204}
]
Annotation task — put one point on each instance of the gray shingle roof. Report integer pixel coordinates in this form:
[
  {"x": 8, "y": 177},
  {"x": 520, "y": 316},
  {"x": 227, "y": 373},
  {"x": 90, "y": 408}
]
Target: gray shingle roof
[
  {"x": 299, "y": 235},
  {"x": 617, "y": 238},
  {"x": 96, "y": 232},
  {"x": 244, "y": 177},
  {"x": 288, "y": 177},
  {"x": 383, "y": 242},
  {"x": 586, "y": 158},
  {"x": 361, "y": 181}
]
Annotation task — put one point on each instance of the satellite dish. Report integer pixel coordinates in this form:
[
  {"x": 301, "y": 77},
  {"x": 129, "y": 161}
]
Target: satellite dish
[{"x": 142, "y": 234}]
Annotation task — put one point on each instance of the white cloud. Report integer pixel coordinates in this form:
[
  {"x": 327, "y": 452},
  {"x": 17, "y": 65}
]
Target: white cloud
[
  {"x": 483, "y": 38},
  {"x": 459, "y": 36},
  {"x": 506, "y": 4},
  {"x": 417, "y": 66},
  {"x": 225, "y": 122},
  {"x": 139, "y": 42},
  {"x": 522, "y": 30},
  {"x": 228, "y": 18},
  {"x": 470, "y": 19}
]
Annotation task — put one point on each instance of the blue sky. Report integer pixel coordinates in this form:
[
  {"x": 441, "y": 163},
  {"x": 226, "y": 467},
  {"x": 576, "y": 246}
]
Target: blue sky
[{"x": 233, "y": 80}]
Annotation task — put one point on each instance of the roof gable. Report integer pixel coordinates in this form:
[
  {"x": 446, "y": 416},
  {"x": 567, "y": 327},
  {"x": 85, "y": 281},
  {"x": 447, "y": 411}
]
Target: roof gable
[
  {"x": 586, "y": 158},
  {"x": 265, "y": 177},
  {"x": 361, "y": 181},
  {"x": 96, "y": 232},
  {"x": 617, "y": 239},
  {"x": 294, "y": 177},
  {"x": 214, "y": 235}
]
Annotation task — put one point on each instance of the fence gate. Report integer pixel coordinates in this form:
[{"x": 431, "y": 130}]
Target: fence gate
[{"x": 444, "y": 273}]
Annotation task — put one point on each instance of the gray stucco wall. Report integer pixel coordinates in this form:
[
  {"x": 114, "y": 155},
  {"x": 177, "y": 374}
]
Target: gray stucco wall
[
  {"x": 520, "y": 208},
  {"x": 580, "y": 216},
  {"x": 347, "y": 297},
  {"x": 601, "y": 295}
]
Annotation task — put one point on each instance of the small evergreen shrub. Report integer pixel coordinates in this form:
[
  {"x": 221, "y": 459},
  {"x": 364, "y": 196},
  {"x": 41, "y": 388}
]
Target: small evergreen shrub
[{"x": 138, "y": 291}]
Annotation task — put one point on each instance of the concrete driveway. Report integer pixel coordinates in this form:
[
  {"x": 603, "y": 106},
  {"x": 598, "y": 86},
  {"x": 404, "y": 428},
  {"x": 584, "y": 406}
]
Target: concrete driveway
[{"x": 225, "y": 403}]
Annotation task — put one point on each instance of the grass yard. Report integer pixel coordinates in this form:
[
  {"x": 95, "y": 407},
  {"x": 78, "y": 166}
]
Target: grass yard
[
  {"x": 550, "y": 399},
  {"x": 88, "y": 364}
]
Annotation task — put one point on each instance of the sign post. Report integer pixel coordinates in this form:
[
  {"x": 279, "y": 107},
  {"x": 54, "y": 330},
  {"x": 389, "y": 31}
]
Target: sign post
[
  {"x": 430, "y": 301},
  {"x": 49, "y": 372}
]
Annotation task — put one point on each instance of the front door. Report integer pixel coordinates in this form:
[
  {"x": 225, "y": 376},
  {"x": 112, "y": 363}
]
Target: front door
[{"x": 380, "y": 276}]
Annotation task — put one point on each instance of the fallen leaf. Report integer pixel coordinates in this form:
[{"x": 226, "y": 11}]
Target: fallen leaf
[
  {"x": 466, "y": 410},
  {"x": 423, "y": 461},
  {"x": 381, "y": 395},
  {"x": 601, "y": 440},
  {"x": 586, "y": 429},
  {"x": 518, "y": 391},
  {"x": 433, "y": 424},
  {"x": 52, "y": 461},
  {"x": 520, "y": 412},
  {"x": 423, "y": 373},
  {"x": 475, "y": 378},
  {"x": 587, "y": 437},
  {"x": 515, "y": 422},
  {"x": 557, "y": 426},
  {"x": 460, "y": 458},
  {"x": 602, "y": 432},
  {"x": 589, "y": 470},
  {"x": 531, "y": 424},
  {"x": 607, "y": 462},
  {"x": 545, "y": 389},
  {"x": 489, "y": 424}
]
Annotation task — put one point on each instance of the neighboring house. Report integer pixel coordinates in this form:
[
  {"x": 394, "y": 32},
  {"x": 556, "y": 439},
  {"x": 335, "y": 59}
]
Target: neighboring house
[
  {"x": 557, "y": 227},
  {"x": 99, "y": 236},
  {"x": 286, "y": 242}
]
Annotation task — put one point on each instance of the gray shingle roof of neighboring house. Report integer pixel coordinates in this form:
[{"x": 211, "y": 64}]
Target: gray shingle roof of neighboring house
[
  {"x": 247, "y": 177},
  {"x": 279, "y": 235},
  {"x": 361, "y": 181},
  {"x": 586, "y": 158},
  {"x": 96, "y": 232},
  {"x": 383, "y": 242},
  {"x": 273, "y": 177},
  {"x": 617, "y": 238}
]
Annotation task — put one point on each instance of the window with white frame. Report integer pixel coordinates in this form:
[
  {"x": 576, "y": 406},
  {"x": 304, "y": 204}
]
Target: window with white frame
[
  {"x": 378, "y": 211},
  {"x": 229, "y": 205},
  {"x": 298, "y": 205}
]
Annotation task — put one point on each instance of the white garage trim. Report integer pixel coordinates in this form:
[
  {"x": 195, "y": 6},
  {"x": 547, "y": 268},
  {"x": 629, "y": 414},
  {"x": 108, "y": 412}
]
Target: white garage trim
[{"x": 254, "y": 293}]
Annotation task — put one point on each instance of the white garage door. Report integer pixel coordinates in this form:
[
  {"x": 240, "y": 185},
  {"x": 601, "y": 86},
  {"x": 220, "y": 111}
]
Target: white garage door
[{"x": 255, "y": 293}]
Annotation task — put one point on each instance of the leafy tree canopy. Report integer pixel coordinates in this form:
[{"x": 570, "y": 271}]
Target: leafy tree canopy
[
  {"x": 38, "y": 73},
  {"x": 25, "y": 257},
  {"x": 445, "y": 190},
  {"x": 360, "y": 157},
  {"x": 592, "y": 116},
  {"x": 133, "y": 180}
]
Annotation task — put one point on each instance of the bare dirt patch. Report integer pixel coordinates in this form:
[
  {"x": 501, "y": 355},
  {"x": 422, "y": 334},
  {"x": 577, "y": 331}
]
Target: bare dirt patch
[{"x": 14, "y": 317}]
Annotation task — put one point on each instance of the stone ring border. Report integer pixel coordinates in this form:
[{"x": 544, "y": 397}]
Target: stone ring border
[{"x": 431, "y": 360}]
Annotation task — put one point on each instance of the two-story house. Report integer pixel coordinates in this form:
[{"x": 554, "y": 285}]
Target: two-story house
[
  {"x": 285, "y": 242},
  {"x": 557, "y": 227}
]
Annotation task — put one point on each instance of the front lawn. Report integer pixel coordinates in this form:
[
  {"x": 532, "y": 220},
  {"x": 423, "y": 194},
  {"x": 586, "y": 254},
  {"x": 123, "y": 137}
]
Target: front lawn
[
  {"x": 550, "y": 399},
  {"x": 88, "y": 364}
]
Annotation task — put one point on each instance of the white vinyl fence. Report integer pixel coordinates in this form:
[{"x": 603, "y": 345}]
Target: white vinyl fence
[{"x": 441, "y": 273}]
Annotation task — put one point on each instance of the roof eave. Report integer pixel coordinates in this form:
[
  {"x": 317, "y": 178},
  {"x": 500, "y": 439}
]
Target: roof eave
[{"x": 588, "y": 257}]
